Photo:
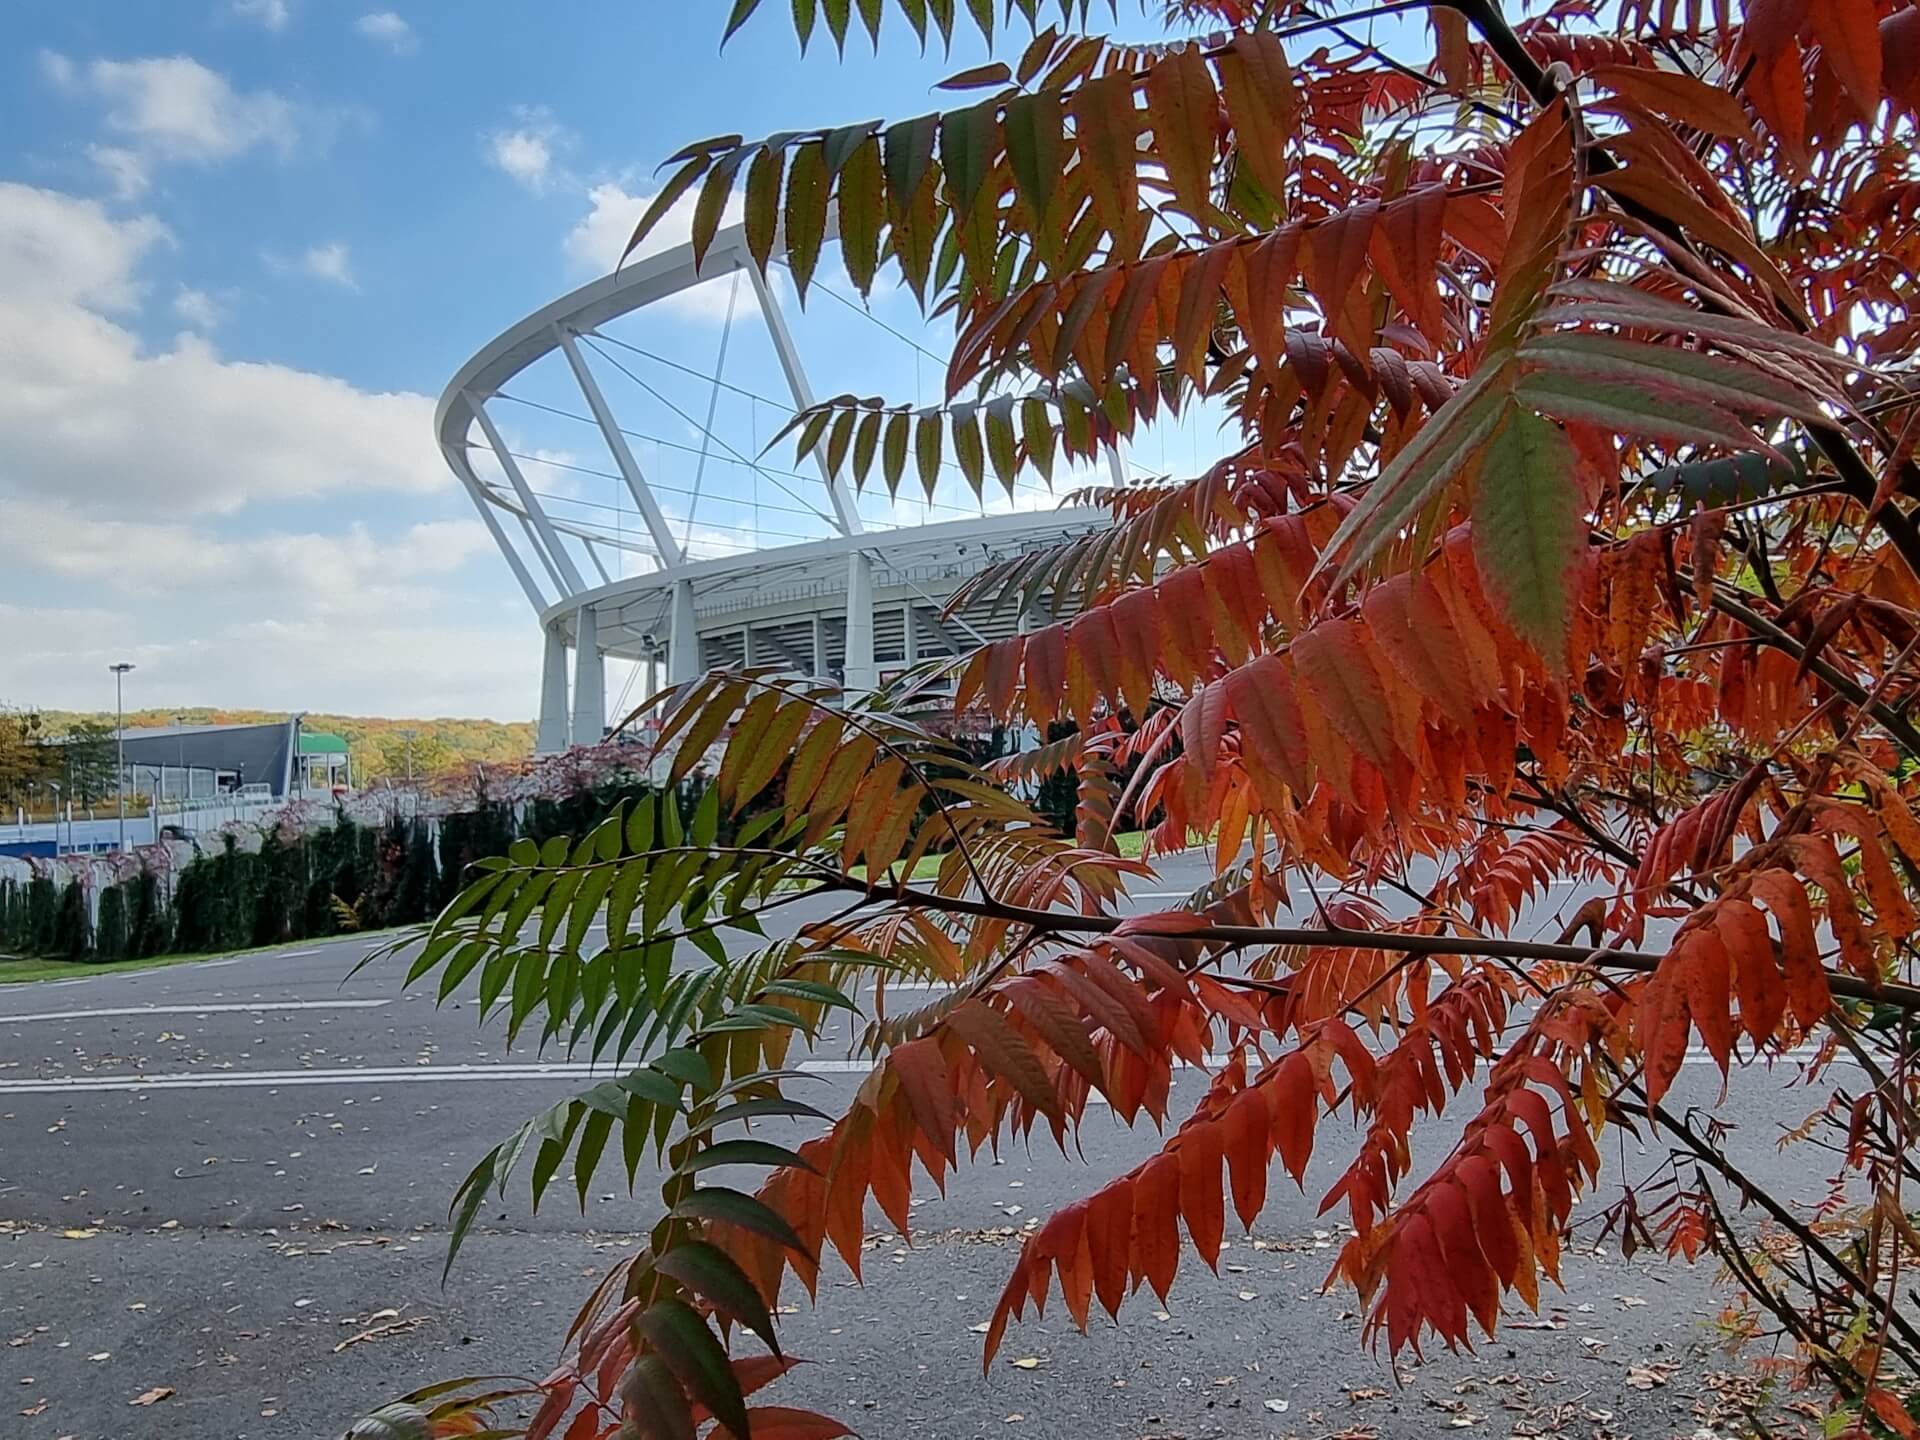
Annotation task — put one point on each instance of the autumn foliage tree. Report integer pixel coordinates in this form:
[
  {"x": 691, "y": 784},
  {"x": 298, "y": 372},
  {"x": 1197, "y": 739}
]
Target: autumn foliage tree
[{"x": 1568, "y": 534}]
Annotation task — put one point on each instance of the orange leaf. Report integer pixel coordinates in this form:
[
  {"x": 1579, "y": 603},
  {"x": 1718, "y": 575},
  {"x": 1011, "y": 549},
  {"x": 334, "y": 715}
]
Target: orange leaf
[
  {"x": 1156, "y": 1219},
  {"x": 1849, "y": 35},
  {"x": 1678, "y": 96},
  {"x": 1184, "y": 108},
  {"x": 1202, "y": 1198}
]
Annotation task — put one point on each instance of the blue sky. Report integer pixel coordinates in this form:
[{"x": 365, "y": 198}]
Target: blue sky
[{"x": 243, "y": 245}]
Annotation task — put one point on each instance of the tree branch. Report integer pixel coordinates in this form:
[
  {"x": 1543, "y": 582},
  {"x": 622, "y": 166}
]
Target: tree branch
[{"x": 1061, "y": 922}]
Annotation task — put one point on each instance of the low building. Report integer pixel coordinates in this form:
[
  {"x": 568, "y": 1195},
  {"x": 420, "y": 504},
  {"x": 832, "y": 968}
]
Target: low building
[{"x": 280, "y": 759}]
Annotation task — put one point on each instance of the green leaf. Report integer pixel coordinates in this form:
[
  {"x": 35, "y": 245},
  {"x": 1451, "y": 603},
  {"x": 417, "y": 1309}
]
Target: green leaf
[
  {"x": 711, "y": 207},
  {"x": 586, "y": 904},
  {"x": 1441, "y": 451},
  {"x": 467, "y": 1201},
  {"x": 640, "y": 826},
  {"x": 685, "y": 1065},
  {"x": 928, "y": 450},
  {"x": 620, "y": 899},
  {"x": 739, "y": 1152},
  {"x": 759, "y": 1109},
  {"x": 1033, "y": 150},
  {"x": 663, "y": 202},
  {"x": 967, "y": 448},
  {"x": 811, "y": 990},
  {"x": 660, "y": 1409},
  {"x": 650, "y": 1084},
  {"x": 763, "y": 203},
  {"x": 893, "y": 449},
  {"x": 732, "y": 1207},
  {"x": 680, "y": 1336},
  {"x": 1529, "y": 529},
  {"x": 1001, "y": 447},
  {"x": 866, "y": 441},
  {"x": 710, "y": 1272},
  {"x": 706, "y": 819},
  {"x": 966, "y": 150},
  {"x": 1729, "y": 479},
  {"x": 742, "y": 12},
  {"x": 593, "y": 1142},
  {"x": 807, "y": 186},
  {"x": 860, "y": 214}
]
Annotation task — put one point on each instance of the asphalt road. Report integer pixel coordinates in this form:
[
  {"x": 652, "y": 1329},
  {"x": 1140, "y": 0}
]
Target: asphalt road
[{"x": 230, "y": 1180}]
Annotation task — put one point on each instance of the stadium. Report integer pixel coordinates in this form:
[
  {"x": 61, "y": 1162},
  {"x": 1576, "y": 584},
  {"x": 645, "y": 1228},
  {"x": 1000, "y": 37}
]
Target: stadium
[{"x": 750, "y": 563}]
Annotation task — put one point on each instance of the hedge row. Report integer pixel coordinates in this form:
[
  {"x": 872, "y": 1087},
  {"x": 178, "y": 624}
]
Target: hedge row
[{"x": 347, "y": 877}]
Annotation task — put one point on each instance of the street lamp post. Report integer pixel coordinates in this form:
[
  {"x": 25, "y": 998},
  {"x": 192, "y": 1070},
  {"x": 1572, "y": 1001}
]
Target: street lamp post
[
  {"x": 120, "y": 738},
  {"x": 407, "y": 735}
]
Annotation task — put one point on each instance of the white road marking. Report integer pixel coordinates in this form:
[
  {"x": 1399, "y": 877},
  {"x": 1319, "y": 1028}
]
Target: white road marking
[
  {"x": 378, "y": 1075},
  {"x": 119, "y": 1010},
  {"x": 503, "y": 1073}
]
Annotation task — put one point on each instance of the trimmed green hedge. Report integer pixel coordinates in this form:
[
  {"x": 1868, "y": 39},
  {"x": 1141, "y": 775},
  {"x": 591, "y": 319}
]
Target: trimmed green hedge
[{"x": 346, "y": 877}]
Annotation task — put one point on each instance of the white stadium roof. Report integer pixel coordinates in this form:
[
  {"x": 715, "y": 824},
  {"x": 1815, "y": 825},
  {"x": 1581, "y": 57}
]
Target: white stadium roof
[{"x": 848, "y": 605}]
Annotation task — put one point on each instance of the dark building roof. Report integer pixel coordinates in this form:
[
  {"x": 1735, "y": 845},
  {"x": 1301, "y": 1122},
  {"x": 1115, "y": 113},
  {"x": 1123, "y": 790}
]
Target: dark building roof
[{"x": 258, "y": 754}]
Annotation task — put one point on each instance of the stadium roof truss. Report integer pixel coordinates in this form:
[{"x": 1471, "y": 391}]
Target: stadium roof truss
[{"x": 848, "y": 607}]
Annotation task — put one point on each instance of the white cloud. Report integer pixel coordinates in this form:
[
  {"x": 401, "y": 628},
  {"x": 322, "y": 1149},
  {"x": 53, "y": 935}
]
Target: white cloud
[
  {"x": 596, "y": 241},
  {"x": 348, "y": 574},
  {"x": 132, "y": 486},
  {"x": 125, "y": 169},
  {"x": 86, "y": 410},
  {"x": 384, "y": 27},
  {"x": 331, "y": 262},
  {"x": 198, "y": 308},
  {"x": 270, "y": 14},
  {"x": 526, "y": 150},
  {"x": 484, "y": 665},
  {"x": 172, "y": 110}
]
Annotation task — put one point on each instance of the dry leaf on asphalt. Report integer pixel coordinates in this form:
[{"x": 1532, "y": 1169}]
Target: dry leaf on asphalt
[
  {"x": 153, "y": 1396},
  {"x": 375, "y": 1332}
]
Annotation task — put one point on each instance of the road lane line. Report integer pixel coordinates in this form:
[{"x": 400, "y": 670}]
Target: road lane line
[
  {"x": 248, "y": 1007},
  {"x": 451, "y": 1074}
]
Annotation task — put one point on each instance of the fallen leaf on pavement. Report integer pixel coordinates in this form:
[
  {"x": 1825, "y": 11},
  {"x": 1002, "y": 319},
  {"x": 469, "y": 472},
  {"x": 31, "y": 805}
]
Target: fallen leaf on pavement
[
  {"x": 1027, "y": 1362},
  {"x": 153, "y": 1396},
  {"x": 376, "y": 1332}
]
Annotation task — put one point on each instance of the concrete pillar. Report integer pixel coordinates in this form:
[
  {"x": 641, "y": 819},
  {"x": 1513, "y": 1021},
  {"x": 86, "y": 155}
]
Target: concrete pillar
[
  {"x": 589, "y": 680},
  {"x": 819, "y": 671},
  {"x": 862, "y": 675},
  {"x": 551, "y": 737},
  {"x": 909, "y": 632},
  {"x": 683, "y": 638}
]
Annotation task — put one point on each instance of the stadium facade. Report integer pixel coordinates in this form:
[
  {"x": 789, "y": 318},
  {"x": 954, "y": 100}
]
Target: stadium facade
[{"x": 853, "y": 606}]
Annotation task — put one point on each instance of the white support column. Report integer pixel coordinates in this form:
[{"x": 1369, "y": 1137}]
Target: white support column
[
  {"x": 589, "y": 680},
  {"x": 549, "y": 537},
  {"x": 861, "y": 674},
  {"x": 819, "y": 670},
  {"x": 845, "y": 512},
  {"x": 909, "y": 634},
  {"x": 551, "y": 737},
  {"x": 1116, "y": 467},
  {"x": 593, "y": 554},
  {"x": 683, "y": 638},
  {"x": 458, "y": 464},
  {"x": 622, "y": 455},
  {"x": 533, "y": 544}
]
